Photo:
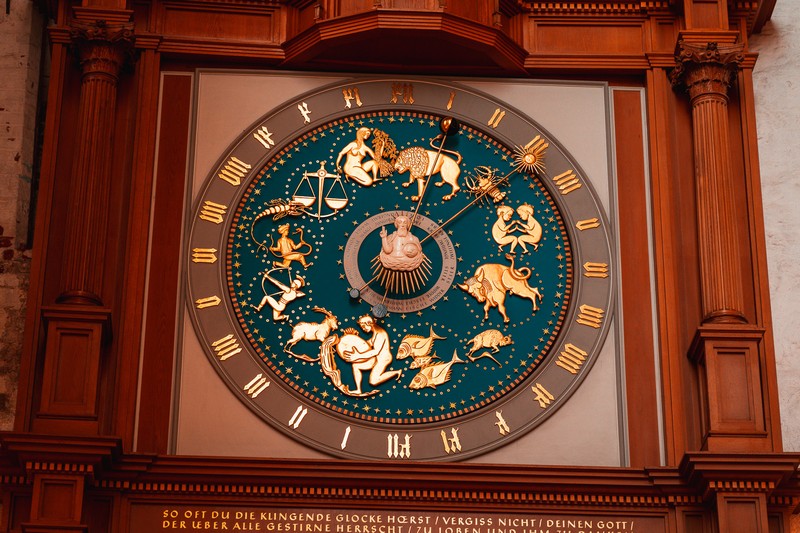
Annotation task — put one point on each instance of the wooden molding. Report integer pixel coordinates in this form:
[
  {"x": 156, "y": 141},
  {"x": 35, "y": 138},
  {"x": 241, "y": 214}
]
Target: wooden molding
[
  {"x": 385, "y": 39},
  {"x": 751, "y": 472}
]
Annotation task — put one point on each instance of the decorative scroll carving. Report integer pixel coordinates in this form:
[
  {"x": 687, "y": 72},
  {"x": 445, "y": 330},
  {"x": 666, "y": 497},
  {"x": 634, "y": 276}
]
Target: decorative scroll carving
[
  {"x": 706, "y": 69},
  {"x": 102, "y": 48}
]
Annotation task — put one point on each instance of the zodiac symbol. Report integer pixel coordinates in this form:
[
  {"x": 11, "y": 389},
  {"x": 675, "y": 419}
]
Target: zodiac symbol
[
  {"x": 288, "y": 293},
  {"x": 335, "y": 199},
  {"x": 422, "y": 163},
  {"x": 373, "y": 355},
  {"x": 492, "y": 282},
  {"x": 490, "y": 338},
  {"x": 436, "y": 374},
  {"x": 503, "y": 228},
  {"x": 486, "y": 184},
  {"x": 383, "y": 154},
  {"x": 311, "y": 331},
  {"x": 287, "y": 250}
]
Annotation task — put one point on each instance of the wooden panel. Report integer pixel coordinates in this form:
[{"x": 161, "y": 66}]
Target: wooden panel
[
  {"x": 155, "y": 395},
  {"x": 696, "y": 522},
  {"x": 634, "y": 262},
  {"x": 728, "y": 359},
  {"x": 57, "y": 499},
  {"x": 743, "y": 515},
  {"x": 19, "y": 511},
  {"x": 566, "y": 37},
  {"x": 707, "y": 14},
  {"x": 736, "y": 386},
  {"x": 71, "y": 367},
  {"x": 196, "y": 19}
]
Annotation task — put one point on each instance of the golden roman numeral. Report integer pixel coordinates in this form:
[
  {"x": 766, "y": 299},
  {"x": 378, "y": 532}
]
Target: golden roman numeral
[
  {"x": 351, "y": 93},
  {"x": 451, "y": 100},
  {"x": 404, "y": 91},
  {"x": 213, "y": 212},
  {"x": 303, "y": 108},
  {"x": 590, "y": 316},
  {"x": 204, "y": 255},
  {"x": 298, "y": 417},
  {"x": 397, "y": 448},
  {"x": 451, "y": 444},
  {"x": 501, "y": 424},
  {"x": 567, "y": 182},
  {"x": 226, "y": 347},
  {"x": 256, "y": 386},
  {"x": 496, "y": 118},
  {"x": 235, "y": 170},
  {"x": 542, "y": 395},
  {"x": 571, "y": 359},
  {"x": 595, "y": 270},
  {"x": 208, "y": 301},
  {"x": 589, "y": 223},
  {"x": 346, "y": 437}
]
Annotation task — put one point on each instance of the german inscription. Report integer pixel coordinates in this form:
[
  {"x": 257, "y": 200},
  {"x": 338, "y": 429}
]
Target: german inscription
[{"x": 149, "y": 518}]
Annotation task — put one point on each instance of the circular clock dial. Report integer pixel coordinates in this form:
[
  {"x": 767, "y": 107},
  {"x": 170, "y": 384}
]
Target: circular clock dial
[{"x": 399, "y": 270}]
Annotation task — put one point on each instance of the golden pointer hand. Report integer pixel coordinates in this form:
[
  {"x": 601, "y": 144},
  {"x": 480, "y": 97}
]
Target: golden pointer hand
[
  {"x": 448, "y": 126},
  {"x": 529, "y": 158}
]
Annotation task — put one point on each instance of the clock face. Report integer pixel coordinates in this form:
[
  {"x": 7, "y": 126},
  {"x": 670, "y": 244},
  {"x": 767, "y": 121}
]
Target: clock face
[{"x": 399, "y": 269}]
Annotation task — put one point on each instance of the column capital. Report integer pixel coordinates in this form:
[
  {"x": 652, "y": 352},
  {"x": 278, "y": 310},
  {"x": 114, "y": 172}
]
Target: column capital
[
  {"x": 102, "y": 47},
  {"x": 706, "y": 68}
]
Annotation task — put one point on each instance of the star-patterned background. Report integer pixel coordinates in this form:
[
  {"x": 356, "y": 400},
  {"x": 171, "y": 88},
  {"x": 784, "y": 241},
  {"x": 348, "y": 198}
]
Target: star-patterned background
[{"x": 465, "y": 385}]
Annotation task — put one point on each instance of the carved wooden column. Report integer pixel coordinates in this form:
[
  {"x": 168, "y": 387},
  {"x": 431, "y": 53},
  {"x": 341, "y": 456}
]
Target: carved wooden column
[
  {"x": 102, "y": 50},
  {"x": 727, "y": 350},
  {"x": 707, "y": 71},
  {"x": 78, "y": 323}
]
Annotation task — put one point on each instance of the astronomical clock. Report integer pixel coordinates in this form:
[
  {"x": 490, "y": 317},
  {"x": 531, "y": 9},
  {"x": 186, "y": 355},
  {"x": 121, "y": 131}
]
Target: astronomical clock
[{"x": 399, "y": 269}]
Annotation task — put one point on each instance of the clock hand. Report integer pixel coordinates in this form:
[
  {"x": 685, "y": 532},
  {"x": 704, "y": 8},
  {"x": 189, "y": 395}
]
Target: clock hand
[
  {"x": 448, "y": 126},
  {"x": 477, "y": 199},
  {"x": 529, "y": 158}
]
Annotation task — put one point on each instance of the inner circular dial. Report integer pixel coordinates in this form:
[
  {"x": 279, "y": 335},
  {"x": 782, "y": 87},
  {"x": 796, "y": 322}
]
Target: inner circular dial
[{"x": 476, "y": 285}]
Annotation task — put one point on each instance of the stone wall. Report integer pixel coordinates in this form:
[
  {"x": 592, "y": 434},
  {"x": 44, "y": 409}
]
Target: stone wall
[
  {"x": 777, "y": 90},
  {"x": 21, "y": 41}
]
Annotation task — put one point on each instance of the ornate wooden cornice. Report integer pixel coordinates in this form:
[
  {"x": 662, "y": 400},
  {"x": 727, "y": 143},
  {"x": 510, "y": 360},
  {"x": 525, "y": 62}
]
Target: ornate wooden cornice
[
  {"x": 750, "y": 473},
  {"x": 618, "y": 7},
  {"x": 384, "y": 39},
  {"x": 439, "y": 485}
]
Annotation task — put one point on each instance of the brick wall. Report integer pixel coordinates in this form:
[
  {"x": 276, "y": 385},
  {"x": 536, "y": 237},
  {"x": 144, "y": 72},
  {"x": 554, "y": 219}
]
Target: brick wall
[{"x": 21, "y": 39}]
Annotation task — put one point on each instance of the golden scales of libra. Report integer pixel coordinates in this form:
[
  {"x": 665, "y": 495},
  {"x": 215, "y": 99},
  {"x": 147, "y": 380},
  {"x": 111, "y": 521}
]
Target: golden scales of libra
[
  {"x": 401, "y": 267},
  {"x": 324, "y": 198}
]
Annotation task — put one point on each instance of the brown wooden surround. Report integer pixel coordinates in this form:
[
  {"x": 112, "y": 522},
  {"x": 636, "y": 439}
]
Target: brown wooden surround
[{"x": 83, "y": 449}]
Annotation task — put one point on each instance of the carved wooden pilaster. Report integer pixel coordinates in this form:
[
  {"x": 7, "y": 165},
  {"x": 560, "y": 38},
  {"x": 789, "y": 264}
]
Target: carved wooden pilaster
[
  {"x": 78, "y": 325},
  {"x": 102, "y": 50},
  {"x": 728, "y": 350},
  {"x": 707, "y": 71}
]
